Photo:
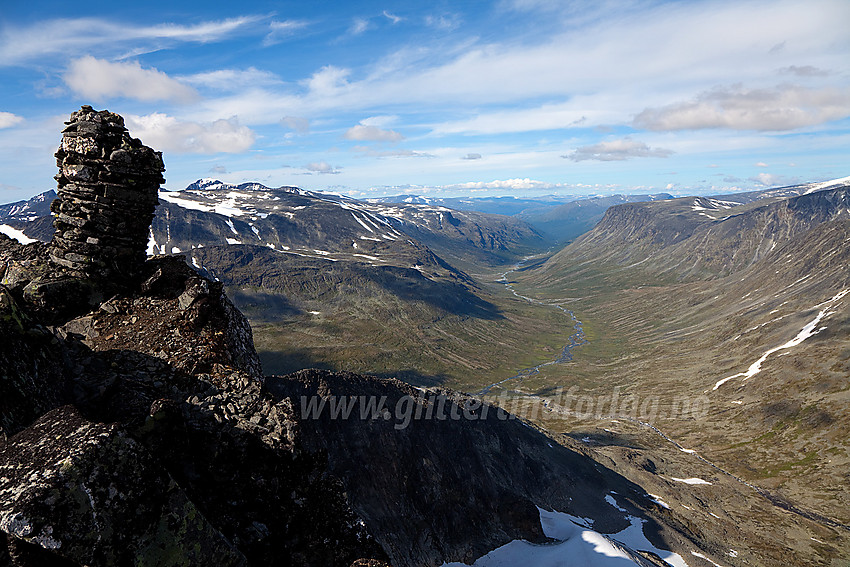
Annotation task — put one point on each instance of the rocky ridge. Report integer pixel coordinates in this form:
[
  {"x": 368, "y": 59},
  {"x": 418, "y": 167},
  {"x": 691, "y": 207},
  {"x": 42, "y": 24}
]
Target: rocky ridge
[{"x": 695, "y": 238}]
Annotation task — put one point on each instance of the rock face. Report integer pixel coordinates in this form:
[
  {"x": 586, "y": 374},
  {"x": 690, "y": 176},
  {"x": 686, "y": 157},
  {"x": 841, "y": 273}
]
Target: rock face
[
  {"x": 89, "y": 480},
  {"x": 464, "y": 476},
  {"x": 108, "y": 189}
]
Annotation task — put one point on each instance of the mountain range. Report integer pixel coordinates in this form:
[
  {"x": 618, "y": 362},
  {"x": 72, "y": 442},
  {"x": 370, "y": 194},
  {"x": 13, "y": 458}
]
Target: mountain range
[{"x": 721, "y": 319}]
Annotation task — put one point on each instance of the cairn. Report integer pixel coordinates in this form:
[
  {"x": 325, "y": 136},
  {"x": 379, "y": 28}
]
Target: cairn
[{"x": 108, "y": 190}]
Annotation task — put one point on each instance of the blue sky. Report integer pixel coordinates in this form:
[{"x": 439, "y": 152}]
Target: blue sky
[{"x": 508, "y": 97}]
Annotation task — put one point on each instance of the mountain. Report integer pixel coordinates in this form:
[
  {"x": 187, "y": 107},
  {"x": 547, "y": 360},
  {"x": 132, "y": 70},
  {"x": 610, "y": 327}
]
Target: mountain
[
  {"x": 32, "y": 216},
  {"x": 720, "y": 326},
  {"x": 508, "y": 205},
  {"x": 557, "y": 218},
  {"x": 137, "y": 426},
  {"x": 570, "y": 220},
  {"x": 336, "y": 283},
  {"x": 703, "y": 237},
  {"x": 295, "y": 221},
  {"x": 29, "y": 210}
]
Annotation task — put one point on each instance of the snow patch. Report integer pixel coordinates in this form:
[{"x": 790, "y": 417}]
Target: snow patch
[
  {"x": 807, "y": 331},
  {"x": 657, "y": 499},
  {"x": 578, "y": 545},
  {"x": 823, "y": 185},
  {"x": 610, "y": 500},
  {"x": 16, "y": 234},
  {"x": 152, "y": 245},
  {"x": 363, "y": 224},
  {"x": 693, "y": 480}
]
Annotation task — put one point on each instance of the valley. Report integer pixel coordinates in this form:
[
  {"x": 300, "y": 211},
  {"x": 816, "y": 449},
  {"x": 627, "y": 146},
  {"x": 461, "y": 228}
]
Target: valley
[{"x": 698, "y": 346}]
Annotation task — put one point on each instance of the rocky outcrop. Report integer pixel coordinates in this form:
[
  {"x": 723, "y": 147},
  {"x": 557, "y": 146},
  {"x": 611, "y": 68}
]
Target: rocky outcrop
[
  {"x": 134, "y": 425},
  {"x": 68, "y": 486},
  {"x": 108, "y": 189},
  {"x": 198, "y": 436}
]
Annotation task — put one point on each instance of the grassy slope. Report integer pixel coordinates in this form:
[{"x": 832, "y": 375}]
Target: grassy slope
[
  {"x": 372, "y": 330},
  {"x": 785, "y": 429}
]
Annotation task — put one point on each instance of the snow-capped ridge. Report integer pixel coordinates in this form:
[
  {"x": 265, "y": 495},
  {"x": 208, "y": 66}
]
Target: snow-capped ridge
[{"x": 832, "y": 184}]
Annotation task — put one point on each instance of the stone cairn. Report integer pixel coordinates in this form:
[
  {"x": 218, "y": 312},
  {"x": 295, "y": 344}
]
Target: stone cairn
[{"x": 108, "y": 190}]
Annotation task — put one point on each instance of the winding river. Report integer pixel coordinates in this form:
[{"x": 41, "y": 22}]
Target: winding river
[{"x": 566, "y": 355}]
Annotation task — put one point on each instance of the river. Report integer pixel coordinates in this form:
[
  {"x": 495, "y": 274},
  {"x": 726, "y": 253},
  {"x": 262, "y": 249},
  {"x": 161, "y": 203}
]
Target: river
[{"x": 566, "y": 355}]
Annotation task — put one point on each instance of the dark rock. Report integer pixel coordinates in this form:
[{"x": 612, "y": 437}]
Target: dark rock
[
  {"x": 465, "y": 476},
  {"x": 88, "y": 493},
  {"x": 32, "y": 369}
]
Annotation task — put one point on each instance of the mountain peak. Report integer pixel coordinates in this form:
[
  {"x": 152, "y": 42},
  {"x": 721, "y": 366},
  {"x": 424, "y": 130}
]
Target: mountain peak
[{"x": 209, "y": 184}]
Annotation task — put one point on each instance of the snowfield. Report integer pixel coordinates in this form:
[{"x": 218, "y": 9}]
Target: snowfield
[
  {"x": 577, "y": 545},
  {"x": 16, "y": 234}
]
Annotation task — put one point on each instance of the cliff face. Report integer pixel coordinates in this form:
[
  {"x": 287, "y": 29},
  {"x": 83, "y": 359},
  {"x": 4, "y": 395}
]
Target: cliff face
[{"x": 136, "y": 427}]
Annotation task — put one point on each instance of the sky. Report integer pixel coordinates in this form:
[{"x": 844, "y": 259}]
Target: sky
[{"x": 506, "y": 97}]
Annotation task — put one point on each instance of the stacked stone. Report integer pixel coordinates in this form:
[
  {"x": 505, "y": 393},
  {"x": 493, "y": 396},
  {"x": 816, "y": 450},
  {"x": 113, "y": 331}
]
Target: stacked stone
[{"x": 108, "y": 190}]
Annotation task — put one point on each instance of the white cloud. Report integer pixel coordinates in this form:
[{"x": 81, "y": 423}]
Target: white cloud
[
  {"x": 166, "y": 133},
  {"x": 364, "y": 133},
  {"x": 785, "y": 107},
  {"x": 772, "y": 180},
  {"x": 761, "y": 164},
  {"x": 617, "y": 150},
  {"x": 232, "y": 79},
  {"x": 380, "y": 121},
  {"x": 588, "y": 88},
  {"x": 321, "y": 167},
  {"x": 392, "y": 17},
  {"x": 297, "y": 123},
  {"x": 445, "y": 22},
  {"x": 328, "y": 81},
  {"x": 515, "y": 184},
  {"x": 547, "y": 117},
  {"x": 280, "y": 31},
  {"x": 98, "y": 80},
  {"x": 7, "y": 120},
  {"x": 358, "y": 26},
  {"x": 471, "y": 156},
  {"x": 371, "y": 152},
  {"x": 73, "y": 36}
]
